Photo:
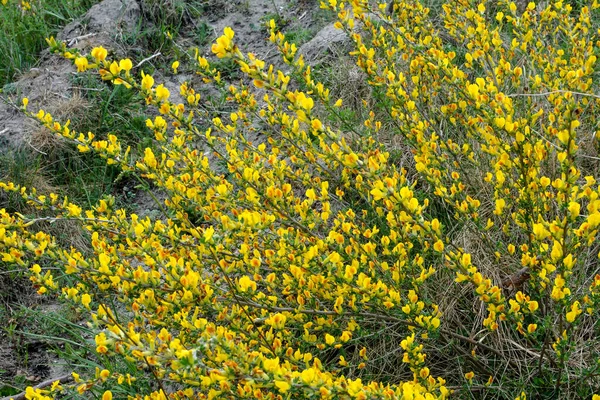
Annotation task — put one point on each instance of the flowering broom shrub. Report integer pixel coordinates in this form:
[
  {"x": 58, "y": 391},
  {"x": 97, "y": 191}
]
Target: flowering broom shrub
[{"x": 312, "y": 265}]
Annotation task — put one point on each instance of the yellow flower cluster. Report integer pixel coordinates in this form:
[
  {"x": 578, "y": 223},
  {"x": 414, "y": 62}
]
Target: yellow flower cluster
[
  {"x": 25, "y": 6},
  {"x": 287, "y": 244}
]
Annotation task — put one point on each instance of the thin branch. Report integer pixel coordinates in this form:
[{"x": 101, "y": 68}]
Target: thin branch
[
  {"x": 158, "y": 53},
  {"x": 553, "y": 92},
  {"x": 75, "y": 39},
  {"x": 10, "y": 271},
  {"x": 36, "y": 149},
  {"x": 44, "y": 384}
]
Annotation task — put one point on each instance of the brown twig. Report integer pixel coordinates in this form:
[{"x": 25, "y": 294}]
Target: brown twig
[{"x": 21, "y": 396}]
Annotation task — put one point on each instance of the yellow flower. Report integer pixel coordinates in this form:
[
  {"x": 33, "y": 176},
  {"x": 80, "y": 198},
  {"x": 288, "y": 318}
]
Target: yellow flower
[
  {"x": 276, "y": 321},
  {"x": 271, "y": 364},
  {"x": 107, "y": 395},
  {"x": 208, "y": 234},
  {"x": 175, "y": 65},
  {"x": 316, "y": 124},
  {"x": 162, "y": 93},
  {"x": 355, "y": 387},
  {"x": 564, "y": 136},
  {"x": 350, "y": 272},
  {"x": 500, "y": 204},
  {"x": 72, "y": 293},
  {"x": 378, "y": 194},
  {"x": 81, "y": 63},
  {"x": 224, "y": 44},
  {"x": 114, "y": 68},
  {"x": 245, "y": 283},
  {"x": 346, "y": 336},
  {"x": 473, "y": 91},
  {"x": 568, "y": 261},
  {"x": 104, "y": 374},
  {"x": 99, "y": 53},
  {"x": 363, "y": 352},
  {"x": 147, "y": 81},
  {"x": 74, "y": 210},
  {"x": 86, "y": 299},
  {"x": 283, "y": 386},
  {"x": 329, "y": 339},
  {"x": 575, "y": 311},
  {"x": 308, "y": 375},
  {"x": 533, "y": 305},
  {"x": 574, "y": 208},
  {"x": 125, "y": 65},
  {"x": 540, "y": 232},
  {"x": 149, "y": 158},
  {"x": 304, "y": 101}
]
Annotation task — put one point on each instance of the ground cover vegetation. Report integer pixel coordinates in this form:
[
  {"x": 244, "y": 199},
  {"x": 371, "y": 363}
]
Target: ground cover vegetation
[
  {"x": 25, "y": 25},
  {"x": 299, "y": 256}
]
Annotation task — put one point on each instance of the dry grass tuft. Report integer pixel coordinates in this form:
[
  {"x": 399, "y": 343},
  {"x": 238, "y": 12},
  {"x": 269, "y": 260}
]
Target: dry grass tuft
[{"x": 50, "y": 144}]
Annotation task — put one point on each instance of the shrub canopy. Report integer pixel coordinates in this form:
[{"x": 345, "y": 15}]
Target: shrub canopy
[{"x": 297, "y": 257}]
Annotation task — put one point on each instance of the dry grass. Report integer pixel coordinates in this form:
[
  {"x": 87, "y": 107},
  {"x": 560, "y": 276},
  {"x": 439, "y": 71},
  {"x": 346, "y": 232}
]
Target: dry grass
[{"x": 73, "y": 108}]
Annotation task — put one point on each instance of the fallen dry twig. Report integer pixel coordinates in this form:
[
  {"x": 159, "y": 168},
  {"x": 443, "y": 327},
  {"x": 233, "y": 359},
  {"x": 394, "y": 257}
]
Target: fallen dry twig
[{"x": 21, "y": 396}]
